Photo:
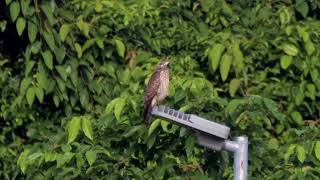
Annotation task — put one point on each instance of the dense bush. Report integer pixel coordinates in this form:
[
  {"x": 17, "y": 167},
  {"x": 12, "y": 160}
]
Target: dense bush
[{"x": 72, "y": 78}]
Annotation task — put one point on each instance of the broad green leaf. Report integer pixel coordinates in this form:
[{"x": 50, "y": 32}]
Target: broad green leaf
[
  {"x": 290, "y": 49},
  {"x": 24, "y": 7},
  {"x": 35, "y": 47},
  {"x": 237, "y": 56},
  {"x": 98, "y": 7},
  {"x": 234, "y": 86},
  {"x": 100, "y": 42},
  {"x": 32, "y": 31},
  {"x": 73, "y": 129},
  {"x": 234, "y": 104},
  {"x": 301, "y": 153},
  {"x": 303, "y": 8},
  {"x": 87, "y": 127},
  {"x": 50, "y": 156},
  {"x": 48, "y": 59},
  {"x": 42, "y": 80},
  {"x": 91, "y": 156},
  {"x": 34, "y": 156},
  {"x": 20, "y": 25},
  {"x": 14, "y": 10},
  {"x": 8, "y": 2},
  {"x": 119, "y": 105},
  {"x": 88, "y": 44},
  {"x": 84, "y": 97},
  {"x": 78, "y": 49},
  {"x": 309, "y": 46},
  {"x": 79, "y": 160},
  {"x": 225, "y": 65},
  {"x": 296, "y": 116},
  {"x": 60, "y": 54},
  {"x": 62, "y": 72},
  {"x": 273, "y": 108},
  {"x": 29, "y": 66},
  {"x": 64, "y": 30},
  {"x": 30, "y": 95},
  {"x": 289, "y": 152},
  {"x": 39, "y": 94},
  {"x": 132, "y": 131},
  {"x": 285, "y": 61},
  {"x": 3, "y": 25},
  {"x": 153, "y": 126},
  {"x": 120, "y": 47},
  {"x": 25, "y": 83},
  {"x": 214, "y": 55},
  {"x": 56, "y": 100},
  {"x": 317, "y": 150},
  {"x": 84, "y": 27},
  {"x": 22, "y": 160},
  {"x": 48, "y": 36},
  {"x": 48, "y": 11}
]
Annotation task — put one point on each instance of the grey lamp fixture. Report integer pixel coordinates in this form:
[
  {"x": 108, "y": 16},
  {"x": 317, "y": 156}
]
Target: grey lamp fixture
[{"x": 211, "y": 135}]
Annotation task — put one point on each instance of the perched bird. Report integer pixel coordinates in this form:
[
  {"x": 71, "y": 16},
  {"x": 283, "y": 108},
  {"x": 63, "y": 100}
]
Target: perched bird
[{"x": 157, "y": 89}]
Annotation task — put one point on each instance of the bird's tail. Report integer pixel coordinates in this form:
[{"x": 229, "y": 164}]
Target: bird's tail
[{"x": 147, "y": 115}]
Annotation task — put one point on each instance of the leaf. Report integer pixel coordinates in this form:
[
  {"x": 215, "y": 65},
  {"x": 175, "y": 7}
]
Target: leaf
[
  {"x": 285, "y": 61},
  {"x": 25, "y": 83},
  {"x": 29, "y": 66},
  {"x": 20, "y": 25},
  {"x": 46, "y": 8},
  {"x": 73, "y": 129},
  {"x": 119, "y": 105},
  {"x": 301, "y": 153},
  {"x": 91, "y": 156},
  {"x": 132, "y": 130},
  {"x": 39, "y": 94},
  {"x": 296, "y": 116},
  {"x": 60, "y": 54},
  {"x": 309, "y": 46},
  {"x": 62, "y": 72},
  {"x": 84, "y": 27},
  {"x": 48, "y": 36},
  {"x": 234, "y": 86},
  {"x": 290, "y": 49},
  {"x": 24, "y": 7},
  {"x": 317, "y": 150},
  {"x": 8, "y": 2},
  {"x": 120, "y": 47},
  {"x": 289, "y": 152},
  {"x": 273, "y": 108},
  {"x": 14, "y": 10},
  {"x": 42, "y": 80},
  {"x": 78, "y": 49},
  {"x": 225, "y": 65},
  {"x": 303, "y": 8},
  {"x": 35, "y": 47},
  {"x": 48, "y": 59},
  {"x": 234, "y": 104},
  {"x": 237, "y": 56},
  {"x": 31, "y": 95},
  {"x": 32, "y": 31},
  {"x": 22, "y": 160},
  {"x": 87, "y": 127},
  {"x": 98, "y": 7},
  {"x": 64, "y": 30},
  {"x": 153, "y": 126},
  {"x": 215, "y": 54}
]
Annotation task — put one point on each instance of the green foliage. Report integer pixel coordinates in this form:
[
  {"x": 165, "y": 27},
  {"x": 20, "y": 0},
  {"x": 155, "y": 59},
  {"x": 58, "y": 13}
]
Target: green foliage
[{"x": 71, "y": 95}]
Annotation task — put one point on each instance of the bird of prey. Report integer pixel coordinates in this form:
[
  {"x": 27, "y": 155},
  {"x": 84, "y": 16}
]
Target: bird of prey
[{"x": 157, "y": 89}]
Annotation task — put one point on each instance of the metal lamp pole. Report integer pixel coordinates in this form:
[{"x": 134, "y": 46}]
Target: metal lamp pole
[{"x": 213, "y": 136}]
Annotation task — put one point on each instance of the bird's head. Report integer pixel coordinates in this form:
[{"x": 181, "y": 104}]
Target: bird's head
[{"x": 165, "y": 63}]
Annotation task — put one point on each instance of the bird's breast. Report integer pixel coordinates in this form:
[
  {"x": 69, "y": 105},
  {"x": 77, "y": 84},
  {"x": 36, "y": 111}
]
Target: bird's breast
[{"x": 164, "y": 85}]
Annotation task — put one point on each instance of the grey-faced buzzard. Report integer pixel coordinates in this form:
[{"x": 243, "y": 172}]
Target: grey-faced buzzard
[{"x": 157, "y": 89}]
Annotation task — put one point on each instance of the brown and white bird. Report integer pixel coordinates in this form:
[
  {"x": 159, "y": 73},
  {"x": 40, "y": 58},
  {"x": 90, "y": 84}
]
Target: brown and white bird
[{"x": 157, "y": 89}]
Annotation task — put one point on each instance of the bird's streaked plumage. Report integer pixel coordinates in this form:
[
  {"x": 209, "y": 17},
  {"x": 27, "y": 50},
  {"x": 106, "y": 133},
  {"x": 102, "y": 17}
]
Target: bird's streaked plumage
[{"x": 157, "y": 89}]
